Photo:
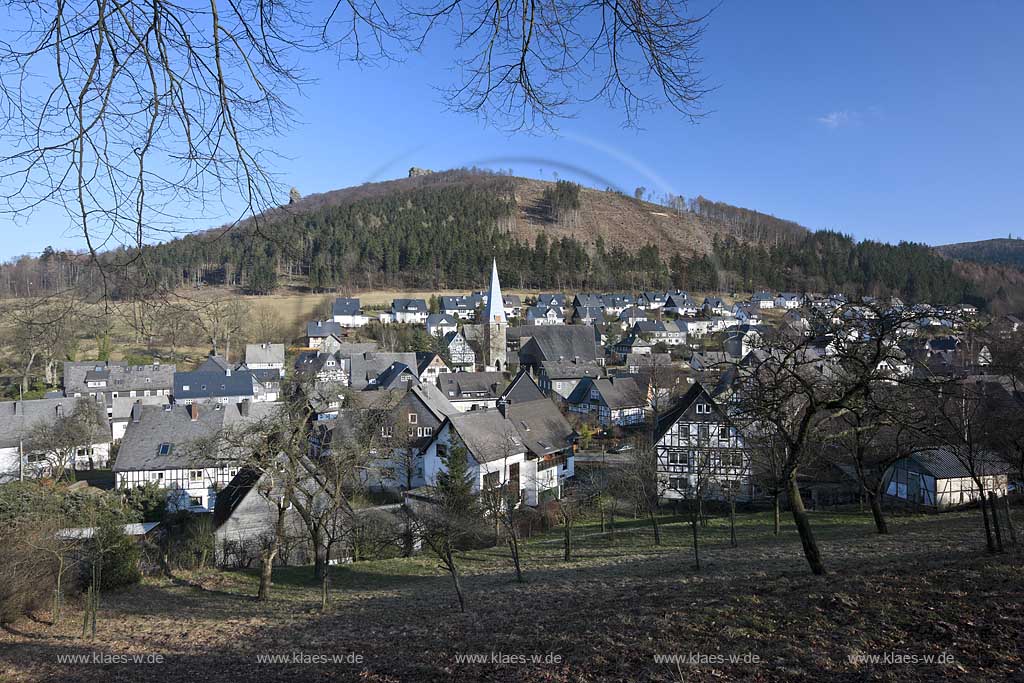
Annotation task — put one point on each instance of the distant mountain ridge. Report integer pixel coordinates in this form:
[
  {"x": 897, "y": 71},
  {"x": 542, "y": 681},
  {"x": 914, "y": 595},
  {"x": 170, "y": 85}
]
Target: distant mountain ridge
[{"x": 1001, "y": 251}]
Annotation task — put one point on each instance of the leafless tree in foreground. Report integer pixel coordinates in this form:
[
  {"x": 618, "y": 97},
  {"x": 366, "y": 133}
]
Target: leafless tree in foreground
[{"x": 136, "y": 118}]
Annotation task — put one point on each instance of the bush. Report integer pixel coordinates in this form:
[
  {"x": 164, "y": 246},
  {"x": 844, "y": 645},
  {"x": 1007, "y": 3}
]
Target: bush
[{"x": 114, "y": 554}]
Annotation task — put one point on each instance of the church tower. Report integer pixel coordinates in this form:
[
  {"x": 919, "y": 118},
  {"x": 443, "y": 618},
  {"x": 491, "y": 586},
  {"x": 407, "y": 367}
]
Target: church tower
[{"x": 495, "y": 325}]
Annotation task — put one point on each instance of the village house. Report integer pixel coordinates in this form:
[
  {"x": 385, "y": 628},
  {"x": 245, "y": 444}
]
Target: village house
[
  {"x": 588, "y": 301},
  {"x": 461, "y": 353},
  {"x": 119, "y": 412},
  {"x": 631, "y": 316},
  {"x": 714, "y": 305},
  {"x": 651, "y": 301},
  {"x": 544, "y": 315},
  {"x": 319, "y": 366},
  {"x": 936, "y": 478},
  {"x": 564, "y": 343},
  {"x": 763, "y": 300},
  {"x": 614, "y": 304},
  {"x": 409, "y": 311},
  {"x": 747, "y": 312},
  {"x": 631, "y": 345},
  {"x": 440, "y": 324},
  {"x": 318, "y": 331},
  {"x": 681, "y": 305},
  {"x": 19, "y": 418},
  {"x": 788, "y": 300},
  {"x": 618, "y": 402},
  {"x": 430, "y": 366},
  {"x": 551, "y": 300},
  {"x": 472, "y": 390},
  {"x": 348, "y": 313},
  {"x": 265, "y": 356},
  {"x": 375, "y": 369},
  {"x": 666, "y": 332},
  {"x": 215, "y": 381},
  {"x": 559, "y": 378},
  {"x": 587, "y": 315},
  {"x": 160, "y": 446},
  {"x": 111, "y": 379},
  {"x": 700, "y": 452},
  {"x": 463, "y": 307}
]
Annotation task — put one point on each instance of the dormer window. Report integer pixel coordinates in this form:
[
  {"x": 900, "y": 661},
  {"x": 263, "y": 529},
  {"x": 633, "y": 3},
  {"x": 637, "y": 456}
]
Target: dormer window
[{"x": 165, "y": 449}]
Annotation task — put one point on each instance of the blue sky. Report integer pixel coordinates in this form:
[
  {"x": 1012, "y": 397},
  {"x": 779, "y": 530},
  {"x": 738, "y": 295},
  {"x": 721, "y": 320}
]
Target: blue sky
[{"x": 888, "y": 121}]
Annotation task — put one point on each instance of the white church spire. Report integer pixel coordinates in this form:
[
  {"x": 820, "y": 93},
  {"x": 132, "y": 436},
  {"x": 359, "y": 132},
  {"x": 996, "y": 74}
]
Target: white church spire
[{"x": 495, "y": 312}]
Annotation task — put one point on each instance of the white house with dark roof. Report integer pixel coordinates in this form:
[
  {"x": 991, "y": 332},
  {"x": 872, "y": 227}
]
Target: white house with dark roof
[
  {"x": 544, "y": 315},
  {"x": 409, "y": 311},
  {"x": 440, "y": 324},
  {"x": 788, "y": 300},
  {"x": 112, "y": 379},
  {"x": 462, "y": 307},
  {"x": 17, "y": 420},
  {"x": 318, "y": 331},
  {"x": 265, "y": 356},
  {"x": 937, "y": 478},
  {"x": 348, "y": 313},
  {"x": 614, "y": 401},
  {"x": 161, "y": 445}
]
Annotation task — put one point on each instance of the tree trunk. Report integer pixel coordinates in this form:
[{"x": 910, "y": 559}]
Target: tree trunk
[
  {"x": 776, "y": 508},
  {"x": 803, "y": 527},
  {"x": 732, "y": 522},
  {"x": 881, "y": 526},
  {"x": 266, "y": 573},
  {"x": 654, "y": 524},
  {"x": 696, "y": 544},
  {"x": 1009, "y": 522},
  {"x": 325, "y": 581},
  {"x": 513, "y": 546},
  {"x": 567, "y": 541},
  {"x": 989, "y": 543},
  {"x": 449, "y": 561},
  {"x": 319, "y": 559},
  {"x": 995, "y": 520}
]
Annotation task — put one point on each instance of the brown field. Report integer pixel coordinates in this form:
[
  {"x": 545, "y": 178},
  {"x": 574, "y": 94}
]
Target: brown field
[{"x": 928, "y": 590}]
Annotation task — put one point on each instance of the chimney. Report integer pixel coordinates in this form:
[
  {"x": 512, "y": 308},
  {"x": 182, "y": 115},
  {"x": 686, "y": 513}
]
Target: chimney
[
  {"x": 243, "y": 407},
  {"x": 136, "y": 411},
  {"x": 193, "y": 411},
  {"x": 503, "y": 407}
]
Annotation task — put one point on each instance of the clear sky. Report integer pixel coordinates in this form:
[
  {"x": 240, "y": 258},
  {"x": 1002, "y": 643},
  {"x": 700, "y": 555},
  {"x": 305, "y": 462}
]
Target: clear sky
[{"x": 886, "y": 120}]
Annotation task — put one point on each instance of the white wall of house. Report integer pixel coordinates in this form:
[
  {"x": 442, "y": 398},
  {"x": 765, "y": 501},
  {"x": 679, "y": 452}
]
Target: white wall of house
[
  {"x": 194, "y": 489},
  {"x": 358, "y": 320}
]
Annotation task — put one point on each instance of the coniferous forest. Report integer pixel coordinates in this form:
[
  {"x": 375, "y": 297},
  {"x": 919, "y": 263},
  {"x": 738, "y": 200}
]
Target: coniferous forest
[{"x": 443, "y": 235}]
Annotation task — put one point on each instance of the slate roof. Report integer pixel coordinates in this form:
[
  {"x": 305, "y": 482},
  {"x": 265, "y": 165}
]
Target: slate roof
[
  {"x": 665, "y": 421},
  {"x": 396, "y": 376},
  {"x": 632, "y": 312},
  {"x": 570, "y": 370},
  {"x": 535, "y": 312},
  {"x": 488, "y": 436},
  {"x": 322, "y": 328},
  {"x": 461, "y": 303},
  {"x": 140, "y": 447},
  {"x": 565, "y": 343},
  {"x": 120, "y": 376},
  {"x": 469, "y": 385},
  {"x": 522, "y": 389},
  {"x": 942, "y": 463},
  {"x": 345, "y": 306},
  {"x": 434, "y": 400},
  {"x": 204, "y": 384},
  {"x": 588, "y": 313},
  {"x": 369, "y": 366},
  {"x": 264, "y": 354},
  {"x": 18, "y": 417},
  {"x": 541, "y": 426},
  {"x": 587, "y": 301},
  {"x": 213, "y": 364},
  {"x": 437, "y": 319},
  {"x": 409, "y": 306},
  {"x": 553, "y": 300},
  {"x": 617, "y": 392}
]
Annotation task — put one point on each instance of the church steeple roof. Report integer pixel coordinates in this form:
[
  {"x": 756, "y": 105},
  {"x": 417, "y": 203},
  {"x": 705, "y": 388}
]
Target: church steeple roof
[{"x": 495, "y": 312}]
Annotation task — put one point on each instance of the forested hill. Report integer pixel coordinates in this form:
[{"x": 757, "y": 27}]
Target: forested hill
[
  {"x": 441, "y": 230},
  {"x": 1001, "y": 252}
]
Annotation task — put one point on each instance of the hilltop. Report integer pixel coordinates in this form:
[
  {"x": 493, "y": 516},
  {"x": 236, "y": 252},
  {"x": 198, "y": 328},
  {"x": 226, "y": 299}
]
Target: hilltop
[
  {"x": 1000, "y": 252},
  {"x": 434, "y": 231}
]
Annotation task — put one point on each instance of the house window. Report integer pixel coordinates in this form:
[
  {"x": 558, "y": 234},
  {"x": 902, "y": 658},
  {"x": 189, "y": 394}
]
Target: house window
[
  {"x": 165, "y": 449},
  {"x": 428, "y": 431},
  {"x": 184, "y": 387},
  {"x": 195, "y": 475},
  {"x": 595, "y": 395},
  {"x": 195, "y": 501},
  {"x": 413, "y": 418},
  {"x": 703, "y": 409},
  {"x": 387, "y": 432},
  {"x": 492, "y": 479}
]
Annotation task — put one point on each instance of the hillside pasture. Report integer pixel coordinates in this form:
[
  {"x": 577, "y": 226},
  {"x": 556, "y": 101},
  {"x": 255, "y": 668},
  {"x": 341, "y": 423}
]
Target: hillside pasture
[{"x": 613, "y": 613}]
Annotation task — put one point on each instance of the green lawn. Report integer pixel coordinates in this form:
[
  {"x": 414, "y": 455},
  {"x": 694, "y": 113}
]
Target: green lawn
[{"x": 613, "y": 613}]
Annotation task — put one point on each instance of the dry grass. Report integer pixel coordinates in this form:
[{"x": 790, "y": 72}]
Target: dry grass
[{"x": 926, "y": 590}]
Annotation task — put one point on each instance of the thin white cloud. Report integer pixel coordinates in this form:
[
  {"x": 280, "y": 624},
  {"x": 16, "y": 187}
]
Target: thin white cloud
[{"x": 838, "y": 119}]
